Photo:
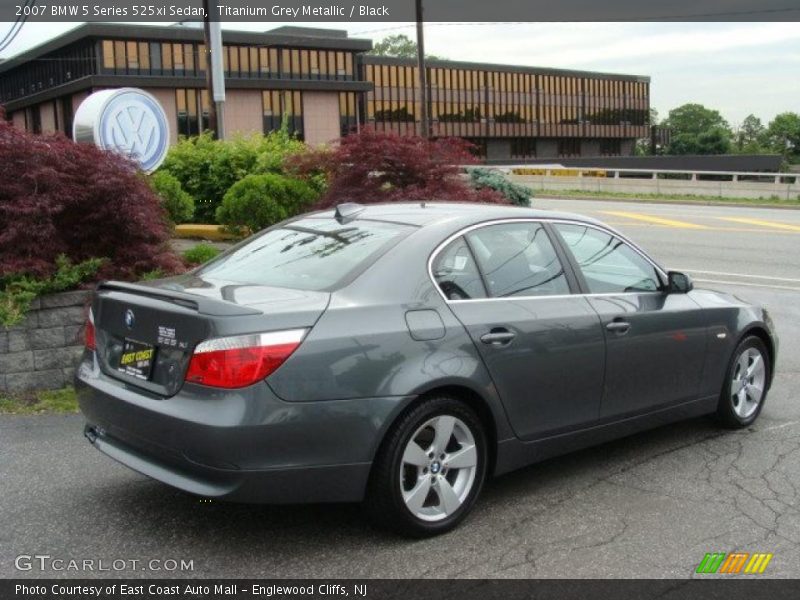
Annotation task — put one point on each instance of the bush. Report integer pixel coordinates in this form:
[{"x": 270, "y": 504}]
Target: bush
[
  {"x": 258, "y": 201},
  {"x": 178, "y": 204},
  {"x": 18, "y": 291},
  {"x": 200, "y": 254},
  {"x": 378, "y": 167},
  {"x": 513, "y": 192},
  {"x": 207, "y": 168},
  {"x": 61, "y": 198}
]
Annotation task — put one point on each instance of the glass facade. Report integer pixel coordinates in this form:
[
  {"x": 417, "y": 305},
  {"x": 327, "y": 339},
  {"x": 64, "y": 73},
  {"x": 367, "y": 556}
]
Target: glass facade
[
  {"x": 121, "y": 57},
  {"x": 521, "y": 104}
]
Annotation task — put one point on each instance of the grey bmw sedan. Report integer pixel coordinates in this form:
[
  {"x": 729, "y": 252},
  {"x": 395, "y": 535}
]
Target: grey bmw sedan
[{"x": 401, "y": 354}]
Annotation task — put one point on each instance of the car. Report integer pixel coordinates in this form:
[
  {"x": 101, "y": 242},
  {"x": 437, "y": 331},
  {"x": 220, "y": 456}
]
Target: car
[{"x": 401, "y": 354}]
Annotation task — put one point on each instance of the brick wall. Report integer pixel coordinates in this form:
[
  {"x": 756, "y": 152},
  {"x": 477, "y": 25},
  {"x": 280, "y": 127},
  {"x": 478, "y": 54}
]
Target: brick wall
[{"x": 42, "y": 352}]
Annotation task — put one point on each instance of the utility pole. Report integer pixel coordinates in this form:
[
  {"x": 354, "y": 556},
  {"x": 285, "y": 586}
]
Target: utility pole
[
  {"x": 215, "y": 73},
  {"x": 424, "y": 124}
]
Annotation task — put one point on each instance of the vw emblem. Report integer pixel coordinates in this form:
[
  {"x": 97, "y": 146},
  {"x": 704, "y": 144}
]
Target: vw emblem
[
  {"x": 130, "y": 319},
  {"x": 128, "y": 121}
]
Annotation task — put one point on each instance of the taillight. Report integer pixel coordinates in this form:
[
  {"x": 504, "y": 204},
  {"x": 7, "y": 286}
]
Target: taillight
[
  {"x": 89, "y": 338},
  {"x": 239, "y": 361}
]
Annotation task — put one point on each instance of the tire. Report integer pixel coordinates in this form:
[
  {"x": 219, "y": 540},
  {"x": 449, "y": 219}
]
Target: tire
[
  {"x": 413, "y": 490},
  {"x": 744, "y": 389}
]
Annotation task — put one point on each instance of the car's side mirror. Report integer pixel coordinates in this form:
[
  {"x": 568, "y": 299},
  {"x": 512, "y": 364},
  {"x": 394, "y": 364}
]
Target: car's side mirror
[{"x": 679, "y": 283}]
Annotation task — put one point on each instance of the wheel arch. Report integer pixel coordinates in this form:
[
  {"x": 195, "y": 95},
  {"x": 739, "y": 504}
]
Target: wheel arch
[
  {"x": 760, "y": 331},
  {"x": 463, "y": 393}
]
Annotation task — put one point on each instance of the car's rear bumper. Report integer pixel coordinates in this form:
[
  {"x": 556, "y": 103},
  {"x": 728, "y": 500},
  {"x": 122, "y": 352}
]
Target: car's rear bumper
[{"x": 246, "y": 445}]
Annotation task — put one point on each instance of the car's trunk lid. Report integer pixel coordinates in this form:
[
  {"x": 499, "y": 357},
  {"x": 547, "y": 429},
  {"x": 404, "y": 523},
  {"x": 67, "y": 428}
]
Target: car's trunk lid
[{"x": 159, "y": 323}]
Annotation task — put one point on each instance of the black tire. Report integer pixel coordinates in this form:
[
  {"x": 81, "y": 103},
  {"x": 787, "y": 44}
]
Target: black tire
[
  {"x": 384, "y": 501},
  {"x": 726, "y": 409}
]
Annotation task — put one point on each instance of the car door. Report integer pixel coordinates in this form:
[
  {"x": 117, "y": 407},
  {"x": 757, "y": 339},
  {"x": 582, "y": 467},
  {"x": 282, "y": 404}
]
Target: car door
[
  {"x": 655, "y": 340},
  {"x": 543, "y": 346}
]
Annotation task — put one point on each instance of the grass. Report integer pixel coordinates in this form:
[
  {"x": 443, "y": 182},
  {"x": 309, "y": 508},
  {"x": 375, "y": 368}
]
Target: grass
[
  {"x": 63, "y": 401},
  {"x": 677, "y": 198},
  {"x": 200, "y": 253}
]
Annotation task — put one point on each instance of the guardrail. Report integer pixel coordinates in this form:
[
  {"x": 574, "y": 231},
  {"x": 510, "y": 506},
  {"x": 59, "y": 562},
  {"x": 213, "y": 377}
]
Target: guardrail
[
  {"x": 732, "y": 184},
  {"x": 654, "y": 174}
]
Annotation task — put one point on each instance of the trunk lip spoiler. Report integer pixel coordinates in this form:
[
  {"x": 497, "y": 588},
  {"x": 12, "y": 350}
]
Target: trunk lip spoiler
[{"x": 205, "y": 306}]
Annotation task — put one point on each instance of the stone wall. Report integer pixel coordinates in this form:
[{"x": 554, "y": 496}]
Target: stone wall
[{"x": 42, "y": 351}]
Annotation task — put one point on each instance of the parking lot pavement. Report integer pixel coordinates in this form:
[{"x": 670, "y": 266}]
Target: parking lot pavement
[{"x": 650, "y": 505}]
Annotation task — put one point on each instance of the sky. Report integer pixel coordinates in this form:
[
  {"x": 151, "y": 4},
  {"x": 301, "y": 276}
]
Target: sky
[{"x": 736, "y": 68}]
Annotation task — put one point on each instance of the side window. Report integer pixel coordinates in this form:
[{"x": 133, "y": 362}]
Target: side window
[
  {"x": 456, "y": 273},
  {"x": 517, "y": 259},
  {"x": 608, "y": 264}
]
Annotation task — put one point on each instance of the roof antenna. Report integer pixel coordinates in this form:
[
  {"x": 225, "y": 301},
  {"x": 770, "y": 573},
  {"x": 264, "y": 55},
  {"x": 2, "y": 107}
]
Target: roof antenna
[{"x": 348, "y": 211}]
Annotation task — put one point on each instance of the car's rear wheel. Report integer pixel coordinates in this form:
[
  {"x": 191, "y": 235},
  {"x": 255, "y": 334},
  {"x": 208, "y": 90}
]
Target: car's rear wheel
[
  {"x": 745, "y": 387},
  {"x": 430, "y": 469}
]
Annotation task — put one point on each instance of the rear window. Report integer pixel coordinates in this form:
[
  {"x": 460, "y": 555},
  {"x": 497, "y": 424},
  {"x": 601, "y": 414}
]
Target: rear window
[{"x": 310, "y": 254}]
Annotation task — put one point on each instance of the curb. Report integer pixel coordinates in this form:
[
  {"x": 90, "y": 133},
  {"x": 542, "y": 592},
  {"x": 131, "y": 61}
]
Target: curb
[
  {"x": 784, "y": 206},
  {"x": 206, "y": 232}
]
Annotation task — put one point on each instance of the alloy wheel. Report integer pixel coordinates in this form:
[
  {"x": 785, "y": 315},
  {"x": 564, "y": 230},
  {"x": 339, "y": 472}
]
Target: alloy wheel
[
  {"x": 438, "y": 468},
  {"x": 748, "y": 382}
]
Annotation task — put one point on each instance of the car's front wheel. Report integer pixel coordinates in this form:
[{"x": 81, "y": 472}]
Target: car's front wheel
[
  {"x": 745, "y": 387},
  {"x": 430, "y": 469}
]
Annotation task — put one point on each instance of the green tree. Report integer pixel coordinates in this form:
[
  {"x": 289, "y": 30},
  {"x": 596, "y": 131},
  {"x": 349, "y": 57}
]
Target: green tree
[
  {"x": 783, "y": 135},
  {"x": 749, "y": 135},
  {"x": 697, "y": 130},
  {"x": 399, "y": 45},
  {"x": 694, "y": 119}
]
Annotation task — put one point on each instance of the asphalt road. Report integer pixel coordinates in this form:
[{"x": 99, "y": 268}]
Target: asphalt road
[{"x": 647, "y": 506}]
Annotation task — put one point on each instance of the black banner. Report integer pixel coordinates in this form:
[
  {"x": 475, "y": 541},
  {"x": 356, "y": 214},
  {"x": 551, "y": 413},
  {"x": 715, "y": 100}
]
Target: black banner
[
  {"x": 737, "y": 588},
  {"x": 291, "y": 11}
]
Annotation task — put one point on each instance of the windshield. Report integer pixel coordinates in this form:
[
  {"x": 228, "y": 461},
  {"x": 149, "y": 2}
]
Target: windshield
[{"x": 309, "y": 254}]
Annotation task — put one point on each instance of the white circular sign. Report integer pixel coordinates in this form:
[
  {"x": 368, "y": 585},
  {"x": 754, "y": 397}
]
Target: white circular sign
[{"x": 128, "y": 121}]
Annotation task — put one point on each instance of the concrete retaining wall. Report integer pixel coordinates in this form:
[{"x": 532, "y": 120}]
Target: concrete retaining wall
[
  {"x": 42, "y": 352},
  {"x": 722, "y": 189}
]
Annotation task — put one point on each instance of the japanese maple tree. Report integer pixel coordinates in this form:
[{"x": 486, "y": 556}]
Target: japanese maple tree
[
  {"x": 61, "y": 198},
  {"x": 374, "y": 167}
]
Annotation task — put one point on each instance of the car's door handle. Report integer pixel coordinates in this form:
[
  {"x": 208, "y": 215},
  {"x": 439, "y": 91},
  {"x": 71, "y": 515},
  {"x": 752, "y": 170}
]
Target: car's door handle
[
  {"x": 619, "y": 327},
  {"x": 498, "y": 336}
]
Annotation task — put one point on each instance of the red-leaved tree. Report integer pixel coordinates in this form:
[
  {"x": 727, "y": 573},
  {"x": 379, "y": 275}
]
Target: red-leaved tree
[
  {"x": 58, "y": 197},
  {"x": 381, "y": 167}
]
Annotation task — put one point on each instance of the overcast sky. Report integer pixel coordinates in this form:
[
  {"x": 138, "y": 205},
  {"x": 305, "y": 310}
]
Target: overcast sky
[{"x": 737, "y": 68}]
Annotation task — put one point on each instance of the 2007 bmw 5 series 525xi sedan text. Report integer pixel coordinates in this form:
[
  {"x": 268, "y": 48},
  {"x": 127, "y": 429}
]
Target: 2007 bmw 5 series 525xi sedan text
[{"x": 401, "y": 354}]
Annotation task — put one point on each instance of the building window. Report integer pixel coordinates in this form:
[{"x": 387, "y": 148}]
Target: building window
[
  {"x": 193, "y": 110},
  {"x": 610, "y": 147},
  {"x": 523, "y": 148},
  {"x": 569, "y": 147},
  {"x": 348, "y": 113},
  {"x": 280, "y": 105}
]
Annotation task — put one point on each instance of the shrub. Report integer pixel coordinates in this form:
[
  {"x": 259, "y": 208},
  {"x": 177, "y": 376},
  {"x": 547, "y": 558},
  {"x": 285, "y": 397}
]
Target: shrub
[
  {"x": 178, "y": 204},
  {"x": 258, "y": 201},
  {"x": 201, "y": 253},
  {"x": 378, "y": 167},
  {"x": 58, "y": 197},
  {"x": 18, "y": 291},
  {"x": 513, "y": 192},
  {"x": 206, "y": 168}
]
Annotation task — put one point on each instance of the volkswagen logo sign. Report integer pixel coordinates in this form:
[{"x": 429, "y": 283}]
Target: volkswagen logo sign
[
  {"x": 128, "y": 121},
  {"x": 130, "y": 319}
]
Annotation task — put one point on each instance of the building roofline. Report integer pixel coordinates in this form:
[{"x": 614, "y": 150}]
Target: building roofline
[
  {"x": 456, "y": 64},
  {"x": 172, "y": 33}
]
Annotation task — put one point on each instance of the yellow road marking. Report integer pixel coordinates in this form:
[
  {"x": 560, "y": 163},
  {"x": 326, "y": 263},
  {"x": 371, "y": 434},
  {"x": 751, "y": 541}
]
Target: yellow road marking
[
  {"x": 655, "y": 220},
  {"x": 761, "y": 223}
]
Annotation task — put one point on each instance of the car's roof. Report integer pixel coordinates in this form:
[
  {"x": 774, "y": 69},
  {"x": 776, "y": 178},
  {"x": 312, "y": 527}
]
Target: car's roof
[{"x": 422, "y": 214}]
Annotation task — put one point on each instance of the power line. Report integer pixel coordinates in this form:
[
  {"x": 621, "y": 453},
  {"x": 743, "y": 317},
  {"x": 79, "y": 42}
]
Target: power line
[
  {"x": 14, "y": 25},
  {"x": 18, "y": 24}
]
